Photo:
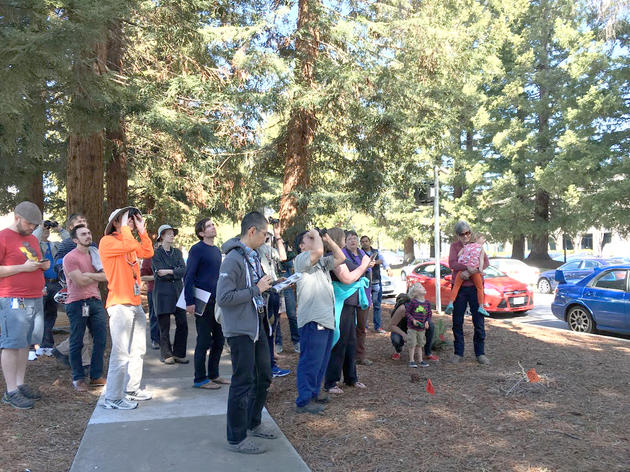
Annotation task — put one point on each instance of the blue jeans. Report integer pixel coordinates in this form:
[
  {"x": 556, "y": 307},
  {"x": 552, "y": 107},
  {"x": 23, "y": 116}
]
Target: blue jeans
[
  {"x": 315, "y": 347},
  {"x": 468, "y": 296},
  {"x": 289, "y": 301},
  {"x": 97, "y": 325},
  {"x": 154, "y": 326},
  {"x": 377, "y": 297}
]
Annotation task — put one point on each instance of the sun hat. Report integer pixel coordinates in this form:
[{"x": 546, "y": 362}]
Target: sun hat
[
  {"x": 30, "y": 212},
  {"x": 114, "y": 215},
  {"x": 163, "y": 228}
]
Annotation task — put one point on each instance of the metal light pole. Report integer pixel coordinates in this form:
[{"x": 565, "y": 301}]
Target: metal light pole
[{"x": 436, "y": 217}]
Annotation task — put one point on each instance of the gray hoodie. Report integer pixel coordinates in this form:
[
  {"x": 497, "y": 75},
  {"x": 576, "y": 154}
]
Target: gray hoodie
[{"x": 234, "y": 297}]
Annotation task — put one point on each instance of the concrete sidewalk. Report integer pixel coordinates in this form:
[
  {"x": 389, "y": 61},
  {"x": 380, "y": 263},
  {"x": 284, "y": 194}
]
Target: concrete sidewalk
[{"x": 181, "y": 428}]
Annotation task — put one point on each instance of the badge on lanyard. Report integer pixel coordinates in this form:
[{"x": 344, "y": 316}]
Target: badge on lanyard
[{"x": 85, "y": 310}]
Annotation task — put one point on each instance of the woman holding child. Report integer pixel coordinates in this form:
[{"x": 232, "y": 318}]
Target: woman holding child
[{"x": 468, "y": 294}]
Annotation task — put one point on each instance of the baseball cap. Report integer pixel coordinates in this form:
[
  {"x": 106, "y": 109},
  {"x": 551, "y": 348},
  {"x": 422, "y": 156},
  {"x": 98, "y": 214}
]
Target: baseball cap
[{"x": 30, "y": 212}]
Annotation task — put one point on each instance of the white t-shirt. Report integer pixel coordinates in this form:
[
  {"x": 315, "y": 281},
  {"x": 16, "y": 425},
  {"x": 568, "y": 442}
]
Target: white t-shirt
[{"x": 315, "y": 297}]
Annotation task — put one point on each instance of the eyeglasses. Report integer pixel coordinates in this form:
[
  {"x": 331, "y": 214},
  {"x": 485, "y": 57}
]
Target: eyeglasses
[{"x": 465, "y": 233}]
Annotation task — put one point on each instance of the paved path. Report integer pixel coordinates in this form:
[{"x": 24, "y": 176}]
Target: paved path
[{"x": 181, "y": 429}]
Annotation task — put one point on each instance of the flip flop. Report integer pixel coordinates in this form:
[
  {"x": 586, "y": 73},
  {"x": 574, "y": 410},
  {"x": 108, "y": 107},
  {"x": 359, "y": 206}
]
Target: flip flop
[
  {"x": 221, "y": 381},
  {"x": 335, "y": 390},
  {"x": 359, "y": 385}
]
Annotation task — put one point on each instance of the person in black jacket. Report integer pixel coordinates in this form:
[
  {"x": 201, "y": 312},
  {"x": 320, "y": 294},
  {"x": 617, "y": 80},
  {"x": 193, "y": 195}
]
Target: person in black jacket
[{"x": 168, "y": 269}]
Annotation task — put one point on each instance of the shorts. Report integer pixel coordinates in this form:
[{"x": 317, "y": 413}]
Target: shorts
[
  {"x": 17, "y": 325},
  {"x": 416, "y": 338}
]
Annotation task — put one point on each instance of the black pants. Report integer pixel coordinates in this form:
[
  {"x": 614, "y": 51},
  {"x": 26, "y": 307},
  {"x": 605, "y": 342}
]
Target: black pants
[
  {"x": 251, "y": 377},
  {"x": 209, "y": 336},
  {"x": 50, "y": 312},
  {"x": 178, "y": 348},
  {"x": 343, "y": 355},
  {"x": 398, "y": 341}
]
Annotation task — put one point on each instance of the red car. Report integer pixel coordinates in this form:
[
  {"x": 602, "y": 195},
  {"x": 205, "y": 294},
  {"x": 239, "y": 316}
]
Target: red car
[{"x": 502, "y": 293}]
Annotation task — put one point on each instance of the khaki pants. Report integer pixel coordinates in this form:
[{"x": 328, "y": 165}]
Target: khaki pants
[
  {"x": 86, "y": 353},
  {"x": 127, "y": 328}
]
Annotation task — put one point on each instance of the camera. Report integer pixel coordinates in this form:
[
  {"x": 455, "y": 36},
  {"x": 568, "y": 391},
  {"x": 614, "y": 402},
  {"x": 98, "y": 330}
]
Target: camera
[
  {"x": 50, "y": 224},
  {"x": 273, "y": 221},
  {"x": 321, "y": 232},
  {"x": 133, "y": 212}
]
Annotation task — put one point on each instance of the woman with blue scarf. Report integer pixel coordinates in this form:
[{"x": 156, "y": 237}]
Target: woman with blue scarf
[{"x": 348, "y": 282}]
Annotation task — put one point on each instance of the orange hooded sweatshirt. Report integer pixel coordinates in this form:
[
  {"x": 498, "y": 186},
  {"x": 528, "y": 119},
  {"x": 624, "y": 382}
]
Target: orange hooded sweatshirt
[{"x": 119, "y": 253}]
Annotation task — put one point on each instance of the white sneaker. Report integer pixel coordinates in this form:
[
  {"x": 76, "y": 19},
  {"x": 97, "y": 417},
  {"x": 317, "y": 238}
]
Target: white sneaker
[
  {"x": 32, "y": 356},
  {"x": 278, "y": 348},
  {"x": 44, "y": 351},
  {"x": 139, "y": 395},
  {"x": 122, "y": 404}
]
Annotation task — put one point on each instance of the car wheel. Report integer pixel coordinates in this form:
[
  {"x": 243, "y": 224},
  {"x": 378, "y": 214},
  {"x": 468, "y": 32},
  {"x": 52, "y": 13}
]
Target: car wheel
[
  {"x": 544, "y": 286},
  {"x": 580, "y": 320},
  {"x": 403, "y": 276}
]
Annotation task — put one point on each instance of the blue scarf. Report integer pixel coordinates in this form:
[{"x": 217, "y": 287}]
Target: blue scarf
[{"x": 344, "y": 291}]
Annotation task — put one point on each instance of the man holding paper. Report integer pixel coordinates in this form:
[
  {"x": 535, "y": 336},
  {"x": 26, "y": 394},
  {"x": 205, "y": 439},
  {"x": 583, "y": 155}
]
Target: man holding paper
[{"x": 202, "y": 273}]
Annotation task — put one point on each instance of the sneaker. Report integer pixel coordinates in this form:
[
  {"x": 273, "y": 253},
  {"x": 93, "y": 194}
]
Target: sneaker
[
  {"x": 380, "y": 331},
  {"x": 32, "y": 356},
  {"x": 122, "y": 404},
  {"x": 413, "y": 364},
  {"x": 155, "y": 345},
  {"x": 322, "y": 397},
  {"x": 169, "y": 360},
  {"x": 365, "y": 362},
  {"x": 296, "y": 348},
  {"x": 482, "y": 359},
  {"x": 247, "y": 446},
  {"x": 312, "y": 408},
  {"x": 180, "y": 360},
  {"x": 278, "y": 372},
  {"x": 62, "y": 358},
  {"x": 449, "y": 309},
  {"x": 139, "y": 395},
  {"x": 423, "y": 364},
  {"x": 80, "y": 385},
  {"x": 278, "y": 348},
  {"x": 17, "y": 400},
  {"x": 456, "y": 359},
  {"x": 432, "y": 357},
  {"x": 29, "y": 392},
  {"x": 396, "y": 356},
  {"x": 44, "y": 351},
  {"x": 265, "y": 432}
]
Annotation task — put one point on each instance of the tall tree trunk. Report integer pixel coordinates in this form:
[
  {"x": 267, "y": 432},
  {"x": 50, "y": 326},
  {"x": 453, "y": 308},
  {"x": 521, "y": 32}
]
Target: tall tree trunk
[
  {"x": 116, "y": 143},
  {"x": 302, "y": 122},
  {"x": 540, "y": 240},
  {"x": 85, "y": 179},
  {"x": 410, "y": 255},
  {"x": 518, "y": 247},
  {"x": 35, "y": 190}
]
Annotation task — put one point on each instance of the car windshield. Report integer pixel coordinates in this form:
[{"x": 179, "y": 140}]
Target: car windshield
[{"x": 492, "y": 272}]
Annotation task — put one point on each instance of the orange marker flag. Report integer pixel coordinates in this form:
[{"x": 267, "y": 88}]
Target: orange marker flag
[
  {"x": 430, "y": 388},
  {"x": 533, "y": 376}
]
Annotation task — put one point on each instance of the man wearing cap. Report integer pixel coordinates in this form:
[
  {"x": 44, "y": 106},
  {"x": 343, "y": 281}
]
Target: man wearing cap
[
  {"x": 21, "y": 287},
  {"x": 119, "y": 252},
  {"x": 84, "y": 309},
  {"x": 168, "y": 269}
]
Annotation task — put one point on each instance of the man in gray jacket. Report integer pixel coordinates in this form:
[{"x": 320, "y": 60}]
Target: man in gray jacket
[{"x": 239, "y": 295}]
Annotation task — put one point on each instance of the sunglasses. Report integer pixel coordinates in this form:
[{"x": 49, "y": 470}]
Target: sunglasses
[{"x": 465, "y": 233}]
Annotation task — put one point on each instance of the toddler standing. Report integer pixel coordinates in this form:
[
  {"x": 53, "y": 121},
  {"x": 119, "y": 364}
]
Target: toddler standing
[{"x": 418, "y": 314}]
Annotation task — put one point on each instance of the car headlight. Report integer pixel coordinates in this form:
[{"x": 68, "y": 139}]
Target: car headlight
[{"x": 492, "y": 292}]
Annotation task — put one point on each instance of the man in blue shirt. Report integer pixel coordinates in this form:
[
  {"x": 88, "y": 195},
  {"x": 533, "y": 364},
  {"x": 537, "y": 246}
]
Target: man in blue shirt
[
  {"x": 202, "y": 271},
  {"x": 377, "y": 287}
]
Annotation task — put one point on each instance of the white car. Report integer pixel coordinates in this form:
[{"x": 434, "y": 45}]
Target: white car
[
  {"x": 388, "y": 285},
  {"x": 392, "y": 258},
  {"x": 409, "y": 268},
  {"x": 517, "y": 270}
]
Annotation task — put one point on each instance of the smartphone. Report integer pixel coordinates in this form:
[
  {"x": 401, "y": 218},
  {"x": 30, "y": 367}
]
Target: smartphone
[{"x": 373, "y": 256}]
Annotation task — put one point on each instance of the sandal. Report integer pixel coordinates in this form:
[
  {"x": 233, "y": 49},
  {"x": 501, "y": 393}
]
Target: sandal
[
  {"x": 206, "y": 384},
  {"x": 335, "y": 390},
  {"x": 359, "y": 385},
  {"x": 220, "y": 380}
]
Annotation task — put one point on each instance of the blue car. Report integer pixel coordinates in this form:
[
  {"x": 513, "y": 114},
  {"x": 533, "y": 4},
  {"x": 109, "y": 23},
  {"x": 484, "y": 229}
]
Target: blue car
[
  {"x": 574, "y": 270},
  {"x": 600, "y": 301}
]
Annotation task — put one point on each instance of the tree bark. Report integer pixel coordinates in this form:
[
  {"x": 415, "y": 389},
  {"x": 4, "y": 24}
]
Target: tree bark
[
  {"x": 410, "y": 255},
  {"x": 35, "y": 190},
  {"x": 85, "y": 179},
  {"x": 117, "y": 176},
  {"x": 302, "y": 124},
  {"x": 518, "y": 247}
]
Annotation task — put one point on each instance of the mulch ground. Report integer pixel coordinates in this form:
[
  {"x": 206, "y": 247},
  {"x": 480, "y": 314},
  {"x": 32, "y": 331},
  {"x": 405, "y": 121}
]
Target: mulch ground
[{"x": 481, "y": 418}]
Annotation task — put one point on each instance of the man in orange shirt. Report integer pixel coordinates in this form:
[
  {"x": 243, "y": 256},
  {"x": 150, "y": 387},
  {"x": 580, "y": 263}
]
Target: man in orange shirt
[{"x": 119, "y": 252}]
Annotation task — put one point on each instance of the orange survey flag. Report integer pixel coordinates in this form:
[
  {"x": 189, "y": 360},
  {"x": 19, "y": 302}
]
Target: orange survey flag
[
  {"x": 430, "y": 388},
  {"x": 533, "y": 376}
]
